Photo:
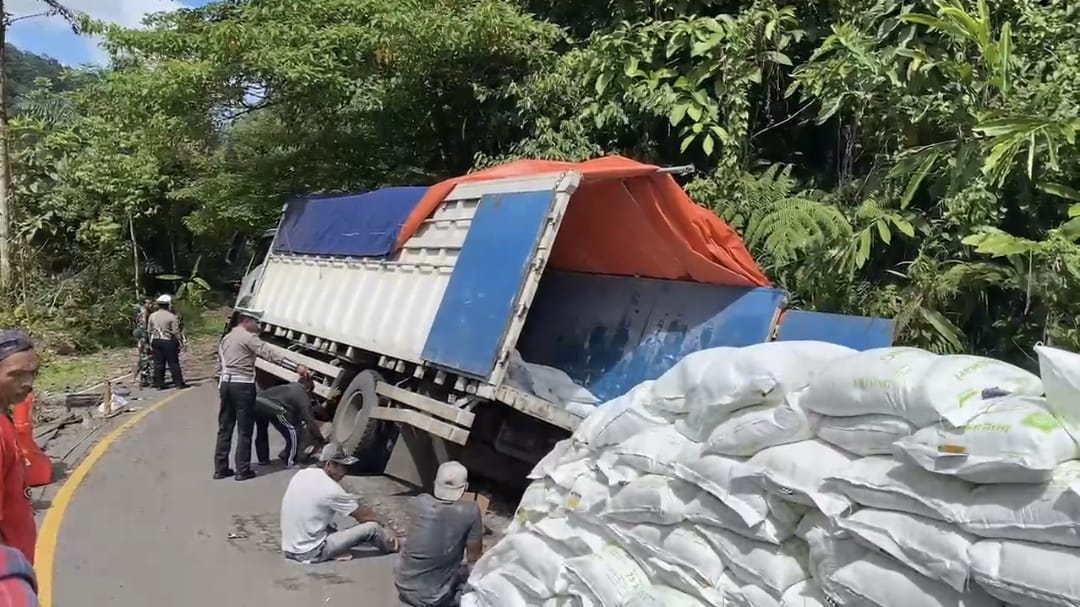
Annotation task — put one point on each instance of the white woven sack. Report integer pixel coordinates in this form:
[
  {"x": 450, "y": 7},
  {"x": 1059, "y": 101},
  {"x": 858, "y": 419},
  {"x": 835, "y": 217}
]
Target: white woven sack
[
  {"x": 662, "y": 596},
  {"x": 651, "y": 499},
  {"x": 885, "y": 483},
  {"x": 528, "y": 552},
  {"x": 863, "y": 435},
  {"x": 670, "y": 390},
  {"x": 830, "y": 550},
  {"x": 771, "y": 567},
  {"x": 573, "y": 536},
  {"x": 619, "y": 419},
  {"x": 875, "y": 580},
  {"x": 654, "y": 451},
  {"x": 796, "y": 472},
  {"x": 606, "y": 579},
  {"x": 830, "y": 546},
  {"x": 804, "y": 594},
  {"x": 706, "y": 510},
  {"x": 960, "y": 387},
  {"x": 786, "y": 513},
  {"x": 872, "y": 382},
  {"x": 541, "y": 499},
  {"x": 933, "y": 548},
  {"x": 567, "y": 474},
  {"x": 754, "y": 375},
  {"x": 1016, "y": 440},
  {"x": 588, "y": 495},
  {"x": 716, "y": 474},
  {"x": 750, "y": 595},
  {"x": 755, "y": 428},
  {"x": 1060, "y": 371},
  {"x": 1048, "y": 513},
  {"x": 1026, "y": 574},
  {"x": 564, "y": 452},
  {"x": 499, "y": 590},
  {"x": 674, "y": 548}
]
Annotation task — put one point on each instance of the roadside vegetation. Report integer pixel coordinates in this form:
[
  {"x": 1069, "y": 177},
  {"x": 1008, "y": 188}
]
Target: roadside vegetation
[{"x": 915, "y": 160}]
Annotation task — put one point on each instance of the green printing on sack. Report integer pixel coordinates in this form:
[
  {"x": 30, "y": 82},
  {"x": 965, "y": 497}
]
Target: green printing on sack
[{"x": 1042, "y": 421}]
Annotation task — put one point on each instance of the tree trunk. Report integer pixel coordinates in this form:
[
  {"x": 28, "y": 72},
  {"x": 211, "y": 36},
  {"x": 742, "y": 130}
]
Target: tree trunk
[
  {"x": 5, "y": 160},
  {"x": 134, "y": 255}
]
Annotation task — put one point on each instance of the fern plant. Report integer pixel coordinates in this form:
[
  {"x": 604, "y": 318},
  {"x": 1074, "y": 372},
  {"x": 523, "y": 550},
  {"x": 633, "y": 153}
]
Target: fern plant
[{"x": 780, "y": 221}]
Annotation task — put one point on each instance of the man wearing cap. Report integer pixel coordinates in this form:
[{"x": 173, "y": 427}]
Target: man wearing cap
[
  {"x": 165, "y": 339},
  {"x": 18, "y": 370},
  {"x": 237, "y": 353},
  {"x": 444, "y": 530},
  {"x": 313, "y": 497}
]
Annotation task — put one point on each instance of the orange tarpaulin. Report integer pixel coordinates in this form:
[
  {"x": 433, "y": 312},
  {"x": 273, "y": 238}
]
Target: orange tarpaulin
[{"x": 625, "y": 219}]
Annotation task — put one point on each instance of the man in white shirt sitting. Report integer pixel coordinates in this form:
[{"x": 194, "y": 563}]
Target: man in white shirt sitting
[{"x": 312, "y": 499}]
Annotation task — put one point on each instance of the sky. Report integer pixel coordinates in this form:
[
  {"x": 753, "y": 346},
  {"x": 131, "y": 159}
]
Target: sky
[{"x": 54, "y": 38}]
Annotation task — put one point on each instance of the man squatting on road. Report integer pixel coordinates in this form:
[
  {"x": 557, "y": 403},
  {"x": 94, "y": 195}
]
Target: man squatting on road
[
  {"x": 313, "y": 497},
  {"x": 238, "y": 351},
  {"x": 443, "y": 528},
  {"x": 288, "y": 408}
]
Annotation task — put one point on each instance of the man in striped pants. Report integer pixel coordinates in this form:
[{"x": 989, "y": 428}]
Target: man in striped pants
[{"x": 288, "y": 408}]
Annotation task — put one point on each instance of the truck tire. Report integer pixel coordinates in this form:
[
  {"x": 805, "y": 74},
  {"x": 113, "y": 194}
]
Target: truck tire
[{"x": 353, "y": 427}]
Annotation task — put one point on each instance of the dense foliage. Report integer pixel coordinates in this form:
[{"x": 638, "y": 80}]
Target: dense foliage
[{"x": 914, "y": 160}]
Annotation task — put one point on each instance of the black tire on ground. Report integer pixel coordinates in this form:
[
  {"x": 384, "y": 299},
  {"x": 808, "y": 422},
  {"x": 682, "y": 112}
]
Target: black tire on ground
[{"x": 353, "y": 427}]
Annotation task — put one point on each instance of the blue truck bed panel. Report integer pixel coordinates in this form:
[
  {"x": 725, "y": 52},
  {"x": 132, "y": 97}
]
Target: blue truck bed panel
[
  {"x": 472, "y": 319},
  {"x": 858, "y": 332},
  {"x": 611, "y": 333}
]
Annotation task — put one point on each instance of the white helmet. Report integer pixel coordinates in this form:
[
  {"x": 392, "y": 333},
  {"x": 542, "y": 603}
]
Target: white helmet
[{"x": 164, "y": 299}]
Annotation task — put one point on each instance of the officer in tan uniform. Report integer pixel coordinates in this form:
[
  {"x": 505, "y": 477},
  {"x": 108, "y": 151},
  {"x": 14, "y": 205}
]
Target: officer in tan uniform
[
  {"x": 165, "y": 340},
  {"x": 238, "y": 351}
]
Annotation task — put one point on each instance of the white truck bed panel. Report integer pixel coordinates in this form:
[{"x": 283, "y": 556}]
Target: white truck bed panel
[{"x": 386, "y": 306}]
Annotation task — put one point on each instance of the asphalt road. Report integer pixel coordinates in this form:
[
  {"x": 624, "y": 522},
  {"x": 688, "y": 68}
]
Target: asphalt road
[{"x": 149, "y": 526}]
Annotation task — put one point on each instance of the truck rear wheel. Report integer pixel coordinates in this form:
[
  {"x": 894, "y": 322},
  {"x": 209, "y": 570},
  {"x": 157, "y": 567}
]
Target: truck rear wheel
[{"x": 354, "y": 429}]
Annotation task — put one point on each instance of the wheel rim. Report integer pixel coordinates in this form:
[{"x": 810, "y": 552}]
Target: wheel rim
[{"x": 354, "y": 410}]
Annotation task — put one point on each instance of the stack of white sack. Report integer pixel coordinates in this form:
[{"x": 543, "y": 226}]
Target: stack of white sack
[
  {"x": 658, "y": 499},
  {"x": 798, "y": 474},
  {"x": 971, "y": 506}
]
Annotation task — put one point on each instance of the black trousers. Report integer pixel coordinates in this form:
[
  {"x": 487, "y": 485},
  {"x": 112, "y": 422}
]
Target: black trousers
[
  {"x": 269, "y": 413},
  {"x": 237, "y": 411},
  {"x": 167, "y": 352}
]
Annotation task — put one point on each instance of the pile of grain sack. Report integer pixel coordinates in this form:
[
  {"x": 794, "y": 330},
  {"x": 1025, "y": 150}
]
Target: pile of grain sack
[{"x": 808, "y": 474}]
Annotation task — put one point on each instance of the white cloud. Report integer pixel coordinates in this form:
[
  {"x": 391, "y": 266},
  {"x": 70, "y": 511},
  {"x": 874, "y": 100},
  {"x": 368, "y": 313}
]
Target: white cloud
[{"x": 128, "y": 13}]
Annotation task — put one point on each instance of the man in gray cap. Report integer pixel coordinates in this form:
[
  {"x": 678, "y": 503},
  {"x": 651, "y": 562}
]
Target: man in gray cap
[
  {"x": 312, "y": 499},
  {"x": 237, "y": 353},
  {"x": 445, "y": 531}
]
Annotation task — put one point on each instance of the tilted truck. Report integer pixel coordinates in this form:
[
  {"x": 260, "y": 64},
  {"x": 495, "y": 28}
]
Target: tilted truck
[{"x": 409, "y": 303}]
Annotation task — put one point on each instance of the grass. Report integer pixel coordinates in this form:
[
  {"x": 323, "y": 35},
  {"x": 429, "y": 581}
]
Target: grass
[
  {"x": 76, "y": 372},
  {"x": 71, "y": 373}
]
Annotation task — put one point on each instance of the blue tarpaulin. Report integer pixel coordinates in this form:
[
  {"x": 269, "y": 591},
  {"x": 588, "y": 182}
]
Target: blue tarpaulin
[{"x": 357, "y": 225}]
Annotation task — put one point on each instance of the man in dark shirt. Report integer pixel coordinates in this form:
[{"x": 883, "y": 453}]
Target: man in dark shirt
[
  {"x": 288, "y": 408},
  {"x": 443, "y": 532}
]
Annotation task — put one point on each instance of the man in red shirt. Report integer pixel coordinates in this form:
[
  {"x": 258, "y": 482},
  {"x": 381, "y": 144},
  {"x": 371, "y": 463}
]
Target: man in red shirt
[{"x": 18, "y": 370}]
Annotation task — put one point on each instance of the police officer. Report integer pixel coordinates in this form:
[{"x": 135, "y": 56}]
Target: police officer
[
  {"x": 166, "y": 340},
  {"x": 237, "y": 353}
]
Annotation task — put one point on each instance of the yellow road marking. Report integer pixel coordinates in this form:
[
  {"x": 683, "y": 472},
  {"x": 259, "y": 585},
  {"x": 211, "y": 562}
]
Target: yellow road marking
[{"x": 49, "y": 534}]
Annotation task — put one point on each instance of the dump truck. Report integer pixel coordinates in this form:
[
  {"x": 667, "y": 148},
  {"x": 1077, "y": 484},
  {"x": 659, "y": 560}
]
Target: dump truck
[{"x": 409, "y": 304}]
